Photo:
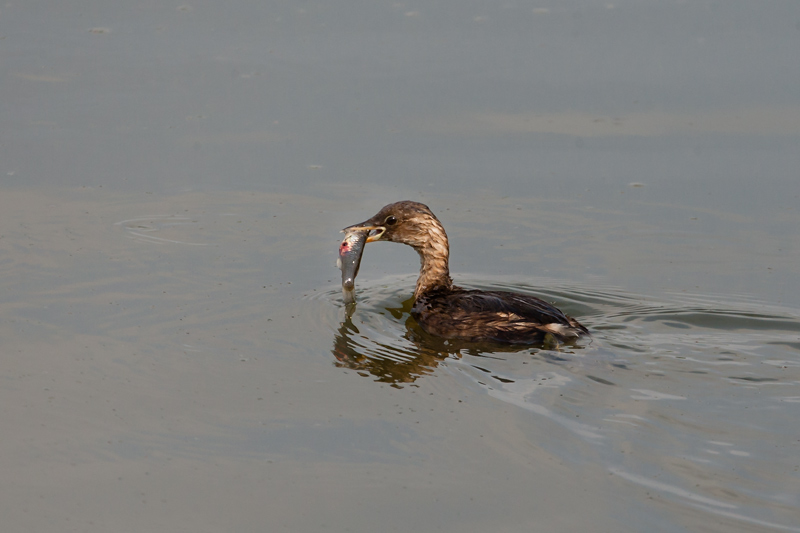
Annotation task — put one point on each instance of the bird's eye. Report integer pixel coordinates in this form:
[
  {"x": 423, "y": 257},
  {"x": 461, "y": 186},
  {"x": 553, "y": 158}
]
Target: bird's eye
[{"x": 391, "y": 220}]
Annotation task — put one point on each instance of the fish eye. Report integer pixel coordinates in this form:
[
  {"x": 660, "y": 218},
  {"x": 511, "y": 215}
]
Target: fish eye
[{"x": 391, "y": 220}]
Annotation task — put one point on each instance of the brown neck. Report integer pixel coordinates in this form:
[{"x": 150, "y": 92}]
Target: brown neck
[{"x": 434, "y": 254}]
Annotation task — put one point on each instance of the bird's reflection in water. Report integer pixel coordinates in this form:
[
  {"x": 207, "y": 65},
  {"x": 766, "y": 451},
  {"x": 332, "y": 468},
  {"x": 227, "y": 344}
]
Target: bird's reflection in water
[{"x": 400, "y": 362}]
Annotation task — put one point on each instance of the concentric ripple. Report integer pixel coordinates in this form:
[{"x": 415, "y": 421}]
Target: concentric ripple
[{"x": 168, "y": 228}]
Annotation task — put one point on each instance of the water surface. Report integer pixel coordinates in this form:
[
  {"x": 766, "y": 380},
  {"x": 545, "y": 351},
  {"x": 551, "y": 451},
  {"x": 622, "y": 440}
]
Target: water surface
[{"x": 176, "y": 355}]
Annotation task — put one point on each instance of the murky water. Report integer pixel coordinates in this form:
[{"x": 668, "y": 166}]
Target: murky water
[
  {"x": 670, "y": 395},
  {"x": 172, "y": 360},
  {"x": 175, "y": 352}
]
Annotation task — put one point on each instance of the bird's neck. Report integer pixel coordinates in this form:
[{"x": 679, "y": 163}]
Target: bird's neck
[{"x": 434, "y": 256}]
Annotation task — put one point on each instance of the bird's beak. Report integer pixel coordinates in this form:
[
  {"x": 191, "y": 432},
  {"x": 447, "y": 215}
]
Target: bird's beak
[{"x": 375, "y": 232}]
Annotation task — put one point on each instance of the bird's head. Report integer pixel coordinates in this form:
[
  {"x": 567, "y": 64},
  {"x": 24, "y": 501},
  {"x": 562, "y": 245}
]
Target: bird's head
[{"x": 405, "y": 222}]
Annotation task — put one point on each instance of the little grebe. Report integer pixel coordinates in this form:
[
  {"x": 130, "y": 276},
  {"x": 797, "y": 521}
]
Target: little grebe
[{"x": 448, "y": 311}]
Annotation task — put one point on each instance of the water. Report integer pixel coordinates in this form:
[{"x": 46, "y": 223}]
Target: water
[
  {"x": 176, "y": 355},
  {"x": 672, "y": 395}
]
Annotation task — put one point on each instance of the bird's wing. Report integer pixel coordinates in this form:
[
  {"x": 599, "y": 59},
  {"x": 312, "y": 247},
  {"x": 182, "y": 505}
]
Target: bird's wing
[
  {"x": 506, "y": 314},
  {"x": 512, "y": 305}
]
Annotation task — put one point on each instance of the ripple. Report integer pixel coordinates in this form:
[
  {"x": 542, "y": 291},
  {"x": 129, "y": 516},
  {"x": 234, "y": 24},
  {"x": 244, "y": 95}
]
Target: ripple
[
  {"x": 665, "y": 375},
  {"x": 142, "y": 229},
  {"x": 700, "y": 332}
]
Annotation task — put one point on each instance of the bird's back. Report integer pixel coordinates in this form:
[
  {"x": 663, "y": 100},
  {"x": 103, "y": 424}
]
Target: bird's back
[{"x": 492, "y": 315}]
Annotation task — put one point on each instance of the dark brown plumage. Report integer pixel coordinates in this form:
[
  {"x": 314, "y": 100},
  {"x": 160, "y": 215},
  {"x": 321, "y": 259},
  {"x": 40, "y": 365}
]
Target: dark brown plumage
[{"x": 446, "y": 310}]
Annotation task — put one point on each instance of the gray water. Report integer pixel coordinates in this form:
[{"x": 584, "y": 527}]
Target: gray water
[{"x": 175, "y": 352}]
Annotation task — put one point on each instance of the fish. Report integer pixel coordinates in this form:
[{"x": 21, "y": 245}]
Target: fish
[{"x": 350, "y": 251}]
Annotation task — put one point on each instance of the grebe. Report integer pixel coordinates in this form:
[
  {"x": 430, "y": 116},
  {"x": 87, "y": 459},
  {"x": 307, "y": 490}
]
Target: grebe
[{"x": 448, "y": 311}]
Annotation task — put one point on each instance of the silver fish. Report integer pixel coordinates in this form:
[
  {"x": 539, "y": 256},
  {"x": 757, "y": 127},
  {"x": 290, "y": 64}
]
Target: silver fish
[{"x": 349, "y": 260}]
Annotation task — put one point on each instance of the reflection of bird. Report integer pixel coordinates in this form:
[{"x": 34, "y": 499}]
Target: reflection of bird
[
  {"x": 448, "y": 311},
  {"x": 388, "y": 363}
]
